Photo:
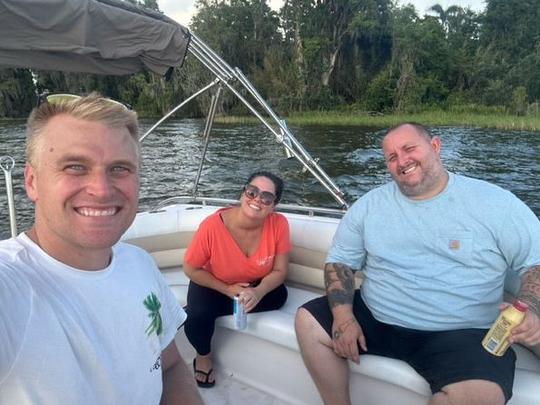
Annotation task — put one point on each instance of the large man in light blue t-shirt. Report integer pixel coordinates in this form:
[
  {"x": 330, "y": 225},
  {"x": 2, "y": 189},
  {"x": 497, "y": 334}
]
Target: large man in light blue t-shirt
[{"x": 435, "y": 249}]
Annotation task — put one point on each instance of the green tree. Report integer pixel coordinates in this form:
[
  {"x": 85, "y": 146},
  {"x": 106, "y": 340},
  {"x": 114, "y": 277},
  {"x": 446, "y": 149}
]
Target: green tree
[
  {"x": 420, "y": 57},
  {"x": 339, "y": 45},
  {"x": 17, "y": 94},
  {"x": 243, "y": 32},
  {"x": 463, "y": 42},
  {"x": 511, "y": 27},
  {"x": 381, "y": 90},
  {"x": 240, "y": 30},
  {"x": 519, "y": 101},
  {"x": 509, "y": 36},
  {"x": 526, "y": 73},
  {"x": 444, "y": 14}
]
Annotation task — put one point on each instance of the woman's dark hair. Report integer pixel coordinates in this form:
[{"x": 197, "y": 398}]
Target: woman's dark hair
[{"x": 278, "y": 183}]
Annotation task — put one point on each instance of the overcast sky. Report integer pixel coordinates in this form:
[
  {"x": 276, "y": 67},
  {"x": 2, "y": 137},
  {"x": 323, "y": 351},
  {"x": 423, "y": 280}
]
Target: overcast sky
[{"x": 182, "y": 10}]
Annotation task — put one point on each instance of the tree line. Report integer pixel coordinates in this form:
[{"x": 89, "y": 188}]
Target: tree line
[{"x": 357, "y": 55}]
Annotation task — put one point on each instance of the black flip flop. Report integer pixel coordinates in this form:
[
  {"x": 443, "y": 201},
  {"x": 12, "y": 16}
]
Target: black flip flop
[{"x": 205, "y": 383}]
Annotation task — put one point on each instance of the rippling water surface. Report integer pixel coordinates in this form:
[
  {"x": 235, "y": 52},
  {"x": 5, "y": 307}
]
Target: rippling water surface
[{"x": 350, "y": 155}]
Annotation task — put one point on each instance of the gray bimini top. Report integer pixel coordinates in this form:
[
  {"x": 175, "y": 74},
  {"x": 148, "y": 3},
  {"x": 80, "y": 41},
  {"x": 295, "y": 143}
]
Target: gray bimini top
[{"x": 110, "y": 37}]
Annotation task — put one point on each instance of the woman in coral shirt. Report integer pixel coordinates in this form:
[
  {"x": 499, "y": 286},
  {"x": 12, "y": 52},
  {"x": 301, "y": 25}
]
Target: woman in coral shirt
[{"x": 239, "y": 251}]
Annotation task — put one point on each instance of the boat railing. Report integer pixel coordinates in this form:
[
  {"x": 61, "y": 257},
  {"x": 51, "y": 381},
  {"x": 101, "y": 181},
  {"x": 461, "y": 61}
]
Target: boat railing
[
  {"x": 204, "y": 201},
  {"x": 7, "y": 163},
  {"x": 237, "y": 83}
]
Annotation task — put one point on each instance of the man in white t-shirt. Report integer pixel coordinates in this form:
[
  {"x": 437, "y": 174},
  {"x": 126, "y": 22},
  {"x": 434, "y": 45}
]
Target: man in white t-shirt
[{"x": 85, "y": 319}]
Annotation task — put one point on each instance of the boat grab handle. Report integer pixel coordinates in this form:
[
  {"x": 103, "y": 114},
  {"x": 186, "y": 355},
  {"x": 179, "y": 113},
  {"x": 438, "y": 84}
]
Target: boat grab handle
[{"x": 7, "y": 163}]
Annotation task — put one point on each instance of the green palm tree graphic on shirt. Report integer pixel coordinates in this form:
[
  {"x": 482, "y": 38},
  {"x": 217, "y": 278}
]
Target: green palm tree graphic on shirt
[{"x": 153, "y": 305}]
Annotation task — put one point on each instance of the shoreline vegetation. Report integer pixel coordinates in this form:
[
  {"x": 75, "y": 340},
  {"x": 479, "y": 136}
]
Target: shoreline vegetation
[
  {"x": 434, "y": 118},
  {"x": 499, "y": 121}
]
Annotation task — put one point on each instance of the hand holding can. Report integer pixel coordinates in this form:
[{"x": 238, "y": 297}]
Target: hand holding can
[
  {"x": 496, "y": 340},
  {"x": 239, "y": 313}
]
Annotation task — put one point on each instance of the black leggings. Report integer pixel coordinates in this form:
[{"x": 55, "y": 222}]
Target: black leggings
[{"x": 204, "y": 305}]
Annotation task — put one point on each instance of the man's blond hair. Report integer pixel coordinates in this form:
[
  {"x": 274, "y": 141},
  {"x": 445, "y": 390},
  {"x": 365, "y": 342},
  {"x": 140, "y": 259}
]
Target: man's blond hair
[{"x": 93, "y": 107}]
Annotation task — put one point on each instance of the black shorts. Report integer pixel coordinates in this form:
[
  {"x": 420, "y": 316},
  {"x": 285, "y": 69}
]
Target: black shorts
[{"x": 463, "y": 357}]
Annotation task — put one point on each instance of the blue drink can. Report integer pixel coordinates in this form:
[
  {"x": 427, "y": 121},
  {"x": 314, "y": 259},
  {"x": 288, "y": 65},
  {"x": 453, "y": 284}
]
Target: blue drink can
[{"x": 239, "y": 313}]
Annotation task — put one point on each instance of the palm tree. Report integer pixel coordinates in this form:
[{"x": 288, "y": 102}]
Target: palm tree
[
  {"x": 444, "y": 14},
  {"x": 153, "y": 305}
]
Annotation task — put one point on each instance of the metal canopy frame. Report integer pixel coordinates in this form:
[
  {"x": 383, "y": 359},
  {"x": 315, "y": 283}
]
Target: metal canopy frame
[{"x": 235, "y": 81}]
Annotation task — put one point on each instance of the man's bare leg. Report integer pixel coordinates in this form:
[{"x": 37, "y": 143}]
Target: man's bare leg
[
  {"x": 469, "y": 392},
  {"x": 329, "y": 372}
]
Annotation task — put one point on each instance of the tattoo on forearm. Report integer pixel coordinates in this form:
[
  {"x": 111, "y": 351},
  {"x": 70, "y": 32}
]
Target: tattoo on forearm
[
  {"x": 339, "y": 283},
  {"x": 530, "y": 289}
]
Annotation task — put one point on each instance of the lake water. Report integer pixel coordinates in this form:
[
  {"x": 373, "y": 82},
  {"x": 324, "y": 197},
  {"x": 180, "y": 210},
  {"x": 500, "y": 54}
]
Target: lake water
[{"x": 350, "y": 155}]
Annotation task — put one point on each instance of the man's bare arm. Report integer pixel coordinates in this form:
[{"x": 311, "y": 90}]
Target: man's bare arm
[
  {"x": 528, "y": 331},
  {"x": 530, "y": 289},
  {"x": 178, "y": 383},
  {"x": 339, "y": 283}
]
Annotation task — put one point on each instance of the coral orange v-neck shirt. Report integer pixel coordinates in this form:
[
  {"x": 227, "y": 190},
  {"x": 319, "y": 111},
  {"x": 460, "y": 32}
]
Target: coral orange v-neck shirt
[{"x": 214, "y": 249}]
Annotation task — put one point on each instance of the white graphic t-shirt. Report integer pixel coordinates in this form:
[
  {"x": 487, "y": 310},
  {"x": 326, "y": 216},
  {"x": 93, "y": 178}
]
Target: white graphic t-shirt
[{"x": 82, "y": 337}]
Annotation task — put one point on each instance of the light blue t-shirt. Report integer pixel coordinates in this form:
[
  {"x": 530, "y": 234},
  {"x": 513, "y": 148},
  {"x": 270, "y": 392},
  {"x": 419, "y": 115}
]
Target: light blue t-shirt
[{"x": 437, "y": 264}]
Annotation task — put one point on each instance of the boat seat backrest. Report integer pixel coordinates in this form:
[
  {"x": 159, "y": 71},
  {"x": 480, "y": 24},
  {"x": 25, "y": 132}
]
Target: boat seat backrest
[{"x": 305, "y": 264}]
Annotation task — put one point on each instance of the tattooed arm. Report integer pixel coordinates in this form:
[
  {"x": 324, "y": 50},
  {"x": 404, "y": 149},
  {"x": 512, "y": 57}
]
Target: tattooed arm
[
  {"x": 339, "y": 283},
  {"x": 528, "y": 332},
  {"x": 530, "y": 289},
  {"x": 346, "y": 332}
]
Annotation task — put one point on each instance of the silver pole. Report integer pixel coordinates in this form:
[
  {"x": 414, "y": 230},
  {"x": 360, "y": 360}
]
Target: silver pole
[
  {"x": 7, "y": 163},
  {"x": 207, "y": 130},
  {"x": 214, "y": 82},
  {"x": 201, "y": 45},
  {"x": 206, "y": 59}
]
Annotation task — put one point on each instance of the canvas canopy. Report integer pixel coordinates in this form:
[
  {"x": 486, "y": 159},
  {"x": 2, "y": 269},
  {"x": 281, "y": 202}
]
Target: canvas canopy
[{"x": 90, "y": 36}]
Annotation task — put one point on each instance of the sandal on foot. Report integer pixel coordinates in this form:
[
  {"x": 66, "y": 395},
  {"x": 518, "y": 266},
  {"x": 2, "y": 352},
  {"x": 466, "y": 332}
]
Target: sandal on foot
[{"x": 205, "y": 383}]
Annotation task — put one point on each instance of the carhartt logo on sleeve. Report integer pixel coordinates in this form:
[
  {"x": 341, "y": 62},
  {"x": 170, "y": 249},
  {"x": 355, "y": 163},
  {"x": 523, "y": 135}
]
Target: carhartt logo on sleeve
[
  {"x": 153, "y": 306},
  {"x": 454, "y": 244}
]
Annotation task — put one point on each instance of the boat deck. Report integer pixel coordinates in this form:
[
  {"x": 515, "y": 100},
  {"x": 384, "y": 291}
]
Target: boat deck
[{"x": 229, "y": 391}]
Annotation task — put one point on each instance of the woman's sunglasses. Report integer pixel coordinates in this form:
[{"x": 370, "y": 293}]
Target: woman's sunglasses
[
  {"x": 252, "y": 192},
  {"x": 66, "y": 98}
]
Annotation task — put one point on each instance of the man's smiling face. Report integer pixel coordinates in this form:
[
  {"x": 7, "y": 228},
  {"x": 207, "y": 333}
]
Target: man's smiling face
[
  {"x": 414, "y": 162},
  {"x": 85, "y": 185}
]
